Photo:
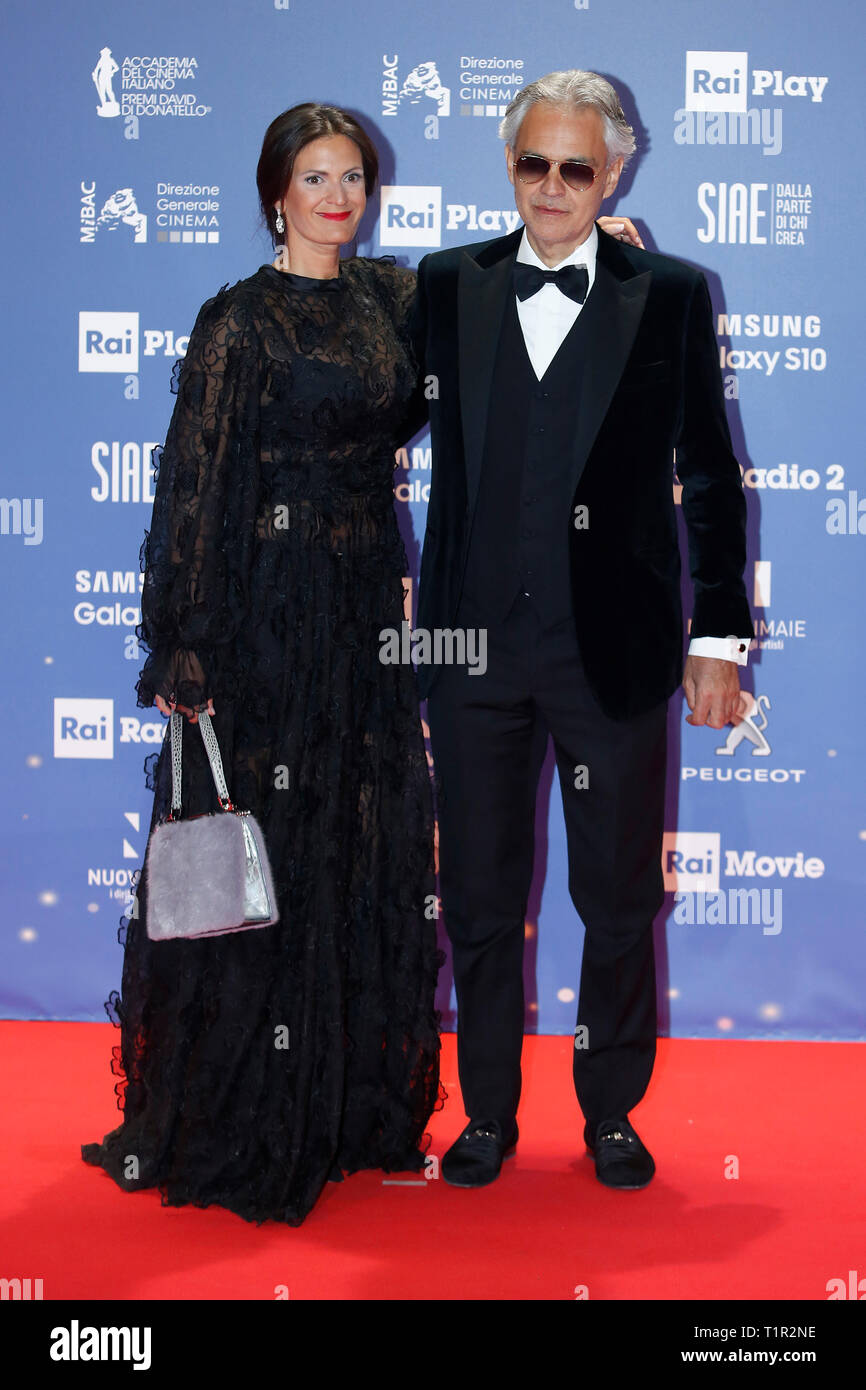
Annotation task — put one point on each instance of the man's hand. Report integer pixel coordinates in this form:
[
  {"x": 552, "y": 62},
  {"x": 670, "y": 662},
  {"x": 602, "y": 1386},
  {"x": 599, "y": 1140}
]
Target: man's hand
[{"x": 712, "y": 691}]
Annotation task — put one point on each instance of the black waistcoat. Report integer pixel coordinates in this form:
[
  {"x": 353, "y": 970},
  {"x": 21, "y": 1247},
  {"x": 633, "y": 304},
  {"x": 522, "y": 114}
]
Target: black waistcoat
[{"x": 520, "y": 534}]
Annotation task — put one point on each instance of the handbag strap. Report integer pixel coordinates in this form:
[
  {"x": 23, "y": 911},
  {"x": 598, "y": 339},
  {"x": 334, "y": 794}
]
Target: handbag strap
[{"x": 212, "y": 749}]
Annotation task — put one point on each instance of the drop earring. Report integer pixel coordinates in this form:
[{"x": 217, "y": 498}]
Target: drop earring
[{"x": 280, "y": 223}]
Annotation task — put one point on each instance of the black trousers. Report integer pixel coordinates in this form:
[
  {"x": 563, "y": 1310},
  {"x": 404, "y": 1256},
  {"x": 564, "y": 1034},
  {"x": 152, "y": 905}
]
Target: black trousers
[{"x": 489, "y": 738}]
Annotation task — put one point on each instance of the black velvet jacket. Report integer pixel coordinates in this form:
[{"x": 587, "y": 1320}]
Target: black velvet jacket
[{"x": 651, "y": 385}]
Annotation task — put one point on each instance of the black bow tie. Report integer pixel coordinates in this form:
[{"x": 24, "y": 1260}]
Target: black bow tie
[{"x": 572, "y": 280}]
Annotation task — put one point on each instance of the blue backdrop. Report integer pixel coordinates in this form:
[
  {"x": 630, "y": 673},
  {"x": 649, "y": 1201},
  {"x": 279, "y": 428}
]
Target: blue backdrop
[{"x": 132, "y": 135}]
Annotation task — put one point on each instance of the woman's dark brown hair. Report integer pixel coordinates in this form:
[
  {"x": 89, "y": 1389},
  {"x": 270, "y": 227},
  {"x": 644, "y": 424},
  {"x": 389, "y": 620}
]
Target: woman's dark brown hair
[{"x": 286, "y": 136}]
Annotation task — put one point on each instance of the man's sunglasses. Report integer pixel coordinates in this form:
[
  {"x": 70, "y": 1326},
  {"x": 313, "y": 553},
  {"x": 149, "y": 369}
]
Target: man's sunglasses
[{"x": 532, "y": 168}]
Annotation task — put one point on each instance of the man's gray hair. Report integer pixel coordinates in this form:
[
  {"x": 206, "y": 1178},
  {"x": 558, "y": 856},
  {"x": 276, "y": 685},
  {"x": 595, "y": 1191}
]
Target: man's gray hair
[{"x": 578, "y": 91}]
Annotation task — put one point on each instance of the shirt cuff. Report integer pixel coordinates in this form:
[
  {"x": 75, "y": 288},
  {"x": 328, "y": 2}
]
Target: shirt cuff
[{"x": 722, "y": 648}]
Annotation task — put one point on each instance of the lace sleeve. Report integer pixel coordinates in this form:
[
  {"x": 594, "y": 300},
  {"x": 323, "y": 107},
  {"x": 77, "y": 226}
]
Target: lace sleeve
[
  {"x": 399, "y": 285},
  {"x": 196, "y": 557}
]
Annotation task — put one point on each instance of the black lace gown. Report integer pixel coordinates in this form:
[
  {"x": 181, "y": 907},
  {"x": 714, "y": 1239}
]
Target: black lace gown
[{"x": 256, "y": 1065}]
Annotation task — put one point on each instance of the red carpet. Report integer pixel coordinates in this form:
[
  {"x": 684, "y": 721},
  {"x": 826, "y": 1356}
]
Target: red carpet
[{"x": 790, "y": 1114}]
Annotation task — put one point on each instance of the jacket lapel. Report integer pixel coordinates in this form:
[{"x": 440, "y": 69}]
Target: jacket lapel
[
  {"x": 614, "y": 306},
  {"x": 482, "y": 294}
]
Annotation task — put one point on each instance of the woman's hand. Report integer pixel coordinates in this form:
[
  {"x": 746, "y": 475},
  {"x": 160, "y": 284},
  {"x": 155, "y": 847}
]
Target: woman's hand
[
  {"x": 170, "y": 707},
  {"x": 623, "y": 229}
]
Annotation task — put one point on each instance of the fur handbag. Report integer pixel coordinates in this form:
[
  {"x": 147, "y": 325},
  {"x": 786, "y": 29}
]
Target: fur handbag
[{"x": 208, "y": 874}]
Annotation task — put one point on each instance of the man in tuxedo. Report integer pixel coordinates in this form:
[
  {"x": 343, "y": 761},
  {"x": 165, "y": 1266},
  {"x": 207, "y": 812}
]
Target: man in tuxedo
[{"x": 570, "y": 367}]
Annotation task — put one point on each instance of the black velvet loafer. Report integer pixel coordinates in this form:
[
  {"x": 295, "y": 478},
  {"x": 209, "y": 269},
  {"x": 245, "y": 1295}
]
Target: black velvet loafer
[
  {"x": 474, "y": 1160},
  {"x": 621, "y": 1160}
]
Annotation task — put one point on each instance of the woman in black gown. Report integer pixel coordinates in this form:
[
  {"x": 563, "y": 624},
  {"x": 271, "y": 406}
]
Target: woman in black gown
[{"x": 256, "y": 1065}]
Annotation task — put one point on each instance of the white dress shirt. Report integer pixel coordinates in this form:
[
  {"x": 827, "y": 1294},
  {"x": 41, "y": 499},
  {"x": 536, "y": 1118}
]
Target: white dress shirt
[
  {"x": 548, "y": 315},
  {"x": 546, "y": 318}
]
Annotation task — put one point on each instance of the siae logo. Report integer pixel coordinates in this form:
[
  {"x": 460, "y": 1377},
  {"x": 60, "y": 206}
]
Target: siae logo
[
  {"x": 410, "y": 215},
  {"x": 736, "y": 214},
  {"x": 83, "y": 728}
]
